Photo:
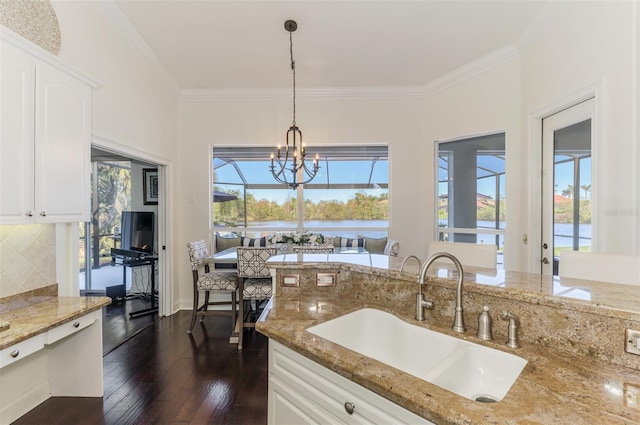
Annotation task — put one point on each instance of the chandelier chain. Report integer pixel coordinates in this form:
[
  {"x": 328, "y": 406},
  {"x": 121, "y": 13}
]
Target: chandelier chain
[
  {"x": 293, "y": 68},
  {"x": 289, "y": 167}
]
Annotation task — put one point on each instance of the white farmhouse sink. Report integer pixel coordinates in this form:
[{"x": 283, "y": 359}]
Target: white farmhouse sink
[{"x": 467, "y": 369}]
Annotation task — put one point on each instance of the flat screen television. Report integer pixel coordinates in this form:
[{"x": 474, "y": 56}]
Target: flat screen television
[{"x": 138, "y": 231}]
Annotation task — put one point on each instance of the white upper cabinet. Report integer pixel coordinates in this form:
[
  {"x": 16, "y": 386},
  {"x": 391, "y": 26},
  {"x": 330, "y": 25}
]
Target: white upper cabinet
[
  {"x": 17, "y": 76},
  {"x": 45, "y": 137}
]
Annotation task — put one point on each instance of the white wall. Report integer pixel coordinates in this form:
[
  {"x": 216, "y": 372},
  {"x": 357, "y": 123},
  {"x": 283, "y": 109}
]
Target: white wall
[
  {"x": 134, "y": 109},
  {"x": 488, "y": 103},
  {"x": 133, "y": 105},
  {"x": 586, "y": 44},
  {"x": 324, "y": 121}
]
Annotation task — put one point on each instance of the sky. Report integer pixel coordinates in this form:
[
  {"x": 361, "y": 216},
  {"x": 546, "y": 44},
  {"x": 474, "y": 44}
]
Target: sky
[
  {"x": 358, "y": 171},
  {"x": 340, "y": 172}
]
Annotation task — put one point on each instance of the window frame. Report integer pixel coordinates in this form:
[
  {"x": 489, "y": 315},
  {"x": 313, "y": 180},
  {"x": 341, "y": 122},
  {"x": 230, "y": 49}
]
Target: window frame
[
  {"x": 327, "y": 153},
  {"x": 499, "y": 233}
]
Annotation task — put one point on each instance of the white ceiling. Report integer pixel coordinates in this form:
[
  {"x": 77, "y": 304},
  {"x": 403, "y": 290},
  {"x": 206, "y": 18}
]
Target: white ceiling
[{"x": 238, "y": 44}]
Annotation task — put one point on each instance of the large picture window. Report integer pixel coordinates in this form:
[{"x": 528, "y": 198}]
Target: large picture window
[{"x": 348, "y": 197}]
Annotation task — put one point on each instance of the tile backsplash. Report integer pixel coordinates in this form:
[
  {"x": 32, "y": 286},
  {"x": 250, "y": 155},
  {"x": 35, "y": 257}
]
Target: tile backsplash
[{"x": 27, "y": 257}]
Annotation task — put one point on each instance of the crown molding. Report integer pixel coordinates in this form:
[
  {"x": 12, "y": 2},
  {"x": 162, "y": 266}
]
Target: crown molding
[
  {"x": 451, "y": 79},
  {"x": 538, "y": 25},
  {"x": 118, "y": 19},
  {"x": 470, "y": 70},
  {"x": 9, "y": 36}
]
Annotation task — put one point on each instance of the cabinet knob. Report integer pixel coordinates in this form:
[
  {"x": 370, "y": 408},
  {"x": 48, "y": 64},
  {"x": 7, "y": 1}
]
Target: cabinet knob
[
  {"x": 76, "y": 324},
  {"x": 349, "y": 407},
  {"x": 14, "y": 353},
  {"x": 29, "y": 213},
  {"x": 43, "y": 213}
]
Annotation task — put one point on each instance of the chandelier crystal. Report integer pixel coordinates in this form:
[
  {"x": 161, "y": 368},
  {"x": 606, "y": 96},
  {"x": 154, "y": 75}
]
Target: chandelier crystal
[{"x": 289, "y": 167}]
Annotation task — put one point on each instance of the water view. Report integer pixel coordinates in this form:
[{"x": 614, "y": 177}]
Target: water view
[{"x": 375, "y": 229}]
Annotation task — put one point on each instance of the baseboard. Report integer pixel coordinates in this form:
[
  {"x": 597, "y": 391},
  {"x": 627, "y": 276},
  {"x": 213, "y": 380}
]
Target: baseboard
[{"x": 16, "y": 408}]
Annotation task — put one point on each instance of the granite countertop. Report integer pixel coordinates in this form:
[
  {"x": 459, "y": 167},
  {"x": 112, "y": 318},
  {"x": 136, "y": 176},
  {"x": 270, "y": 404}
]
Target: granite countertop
[
  {"x": 619, "y": 300},
  {"x": 30, "y": 316},
  {"x": 555, "y": 387}
]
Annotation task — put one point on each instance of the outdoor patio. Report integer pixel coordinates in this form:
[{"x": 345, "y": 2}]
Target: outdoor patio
[{"x": 137, "y": 278}]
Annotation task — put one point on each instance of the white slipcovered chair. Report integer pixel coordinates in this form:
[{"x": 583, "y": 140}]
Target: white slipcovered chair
[
  {"x": 219, "y": 281},
  {"x": 469, "y": 254},
  {"x": 613, "y": 268}
]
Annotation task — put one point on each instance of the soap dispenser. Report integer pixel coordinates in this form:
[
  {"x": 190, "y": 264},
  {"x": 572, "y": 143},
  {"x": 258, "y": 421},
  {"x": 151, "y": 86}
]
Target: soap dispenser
[{"x": 485, "y": 325}]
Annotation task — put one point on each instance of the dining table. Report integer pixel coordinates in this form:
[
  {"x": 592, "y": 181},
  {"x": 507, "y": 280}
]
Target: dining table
[{"x": 230, "y": 255}]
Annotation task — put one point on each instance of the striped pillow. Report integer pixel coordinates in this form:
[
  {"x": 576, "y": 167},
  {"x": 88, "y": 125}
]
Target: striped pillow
[
  {"x": 253, "y": 241},
  {"x": 351, "y": 243}
]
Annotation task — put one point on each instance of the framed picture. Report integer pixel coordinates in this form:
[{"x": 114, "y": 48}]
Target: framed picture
[{"x": 150, "y": 189}]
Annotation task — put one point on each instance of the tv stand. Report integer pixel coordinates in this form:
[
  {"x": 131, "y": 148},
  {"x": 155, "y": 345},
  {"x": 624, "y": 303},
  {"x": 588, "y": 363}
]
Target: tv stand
[{"x": 129, "y": 258}]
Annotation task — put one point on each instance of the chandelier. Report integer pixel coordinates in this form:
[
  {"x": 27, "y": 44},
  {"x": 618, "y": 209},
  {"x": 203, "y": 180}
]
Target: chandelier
[{"x": 290, "y": 166}]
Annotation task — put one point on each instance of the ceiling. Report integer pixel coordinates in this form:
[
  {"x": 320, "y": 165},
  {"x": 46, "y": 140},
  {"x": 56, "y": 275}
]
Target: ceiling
[{"x": 238, "y": 44}]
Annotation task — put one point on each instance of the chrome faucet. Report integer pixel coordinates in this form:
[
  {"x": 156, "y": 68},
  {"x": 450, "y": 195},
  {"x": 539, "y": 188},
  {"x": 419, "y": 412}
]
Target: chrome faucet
[
  {"x": 409, "y": 258},
  {"x": 458, "y": 322}
]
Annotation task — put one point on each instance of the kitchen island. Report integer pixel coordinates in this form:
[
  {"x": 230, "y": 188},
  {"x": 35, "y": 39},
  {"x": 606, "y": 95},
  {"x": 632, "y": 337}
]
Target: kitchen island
[{"x": 577, "y": 370}]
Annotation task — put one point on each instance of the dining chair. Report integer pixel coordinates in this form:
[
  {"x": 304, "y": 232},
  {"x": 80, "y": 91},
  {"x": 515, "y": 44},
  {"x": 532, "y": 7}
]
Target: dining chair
[
  {"x": 217, "y": 281},
  {"x": 314, "y": 249},
  {"x": 254, "y": 282},
  {"x": 469, "y": 254}
]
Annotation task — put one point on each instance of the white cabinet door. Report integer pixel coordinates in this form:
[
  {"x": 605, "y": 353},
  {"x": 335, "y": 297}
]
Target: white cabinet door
[
  {"x": 303, "y": 392},
  {"x": 288, "y": 407},
  {"x": 45, "y": 139},
  {"x": 16, "y": 135},
  {"x": 62, "y": 146}
]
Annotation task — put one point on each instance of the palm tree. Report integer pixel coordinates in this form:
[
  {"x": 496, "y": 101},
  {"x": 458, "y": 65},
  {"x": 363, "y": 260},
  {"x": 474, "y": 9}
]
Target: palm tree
[
  {"x": 568, "y": 192},
  {"x": 587, "y": 189}
]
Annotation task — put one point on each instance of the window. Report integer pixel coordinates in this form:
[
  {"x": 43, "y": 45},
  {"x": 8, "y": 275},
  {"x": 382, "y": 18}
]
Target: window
[
  {"x": 348, "y": 197},
  {"x": 471, "y": 191},
  {"x": 572, "y": 184}
]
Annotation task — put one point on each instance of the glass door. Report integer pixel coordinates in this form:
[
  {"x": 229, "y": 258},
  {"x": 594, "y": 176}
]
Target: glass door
[
  {"x": 110, "y": 195},
  {"x": 566, "y": 187}
]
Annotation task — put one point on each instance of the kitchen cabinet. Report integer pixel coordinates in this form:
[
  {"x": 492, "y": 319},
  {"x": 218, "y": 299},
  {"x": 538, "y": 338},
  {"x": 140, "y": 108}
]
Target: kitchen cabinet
[
  {"x": 304, "y": 392},
  {"x": 45, "y": 136},
  {"x": 65, "y": 361}
]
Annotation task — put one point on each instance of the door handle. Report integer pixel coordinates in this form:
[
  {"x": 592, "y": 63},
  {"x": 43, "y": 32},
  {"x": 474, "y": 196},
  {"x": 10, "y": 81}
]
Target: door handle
[
  {"x": 545, "y": 246},
  {"x": 545, "y": 261}
]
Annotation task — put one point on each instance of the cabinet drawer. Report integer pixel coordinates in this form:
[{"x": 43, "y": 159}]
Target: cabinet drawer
[
  {"x": 331, "y": 392},
  {"x": 21, "y": 350},
  {"x": 71, "y": 327}
]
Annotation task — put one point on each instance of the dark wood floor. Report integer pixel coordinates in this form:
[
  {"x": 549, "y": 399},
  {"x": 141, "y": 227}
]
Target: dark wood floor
[
  {"x": 118, "y": 327},
  {"x": 164, "y": 376}
]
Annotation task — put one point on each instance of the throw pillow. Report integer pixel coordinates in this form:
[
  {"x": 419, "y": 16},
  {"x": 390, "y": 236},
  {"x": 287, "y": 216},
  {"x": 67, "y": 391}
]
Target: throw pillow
[
  {"x": 223, "y": 243},
  {"x": 352, "y": 243},
  {"x": 253, "y": 241},
  {"x": 374, "y": 245}
]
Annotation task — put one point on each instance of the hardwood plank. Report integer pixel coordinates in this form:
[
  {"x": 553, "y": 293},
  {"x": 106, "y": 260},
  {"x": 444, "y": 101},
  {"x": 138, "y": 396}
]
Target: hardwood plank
[
  {"x": 165, "y": 376},
  {"x": 117, "y": 326}
]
